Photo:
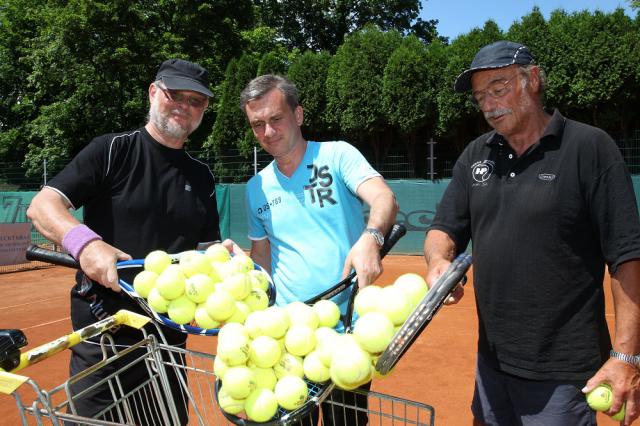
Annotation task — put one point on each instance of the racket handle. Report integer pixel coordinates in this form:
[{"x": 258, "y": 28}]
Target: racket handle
[
  {"x": 35, "y": 252},
  {"x": 396, "y": 232}
]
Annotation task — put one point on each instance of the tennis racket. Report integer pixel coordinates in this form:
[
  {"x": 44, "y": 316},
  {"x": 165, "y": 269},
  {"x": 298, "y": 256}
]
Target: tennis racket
[
  {"x": 318, "y": 392},
  {"x": 424, "y": 312},
  {"x": 62, "y": 259}
]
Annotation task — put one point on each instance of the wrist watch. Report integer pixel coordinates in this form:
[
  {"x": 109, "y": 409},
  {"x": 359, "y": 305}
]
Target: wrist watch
[
  {"x": 376, "y": 234},
  {"x": 629, "y": 359}
]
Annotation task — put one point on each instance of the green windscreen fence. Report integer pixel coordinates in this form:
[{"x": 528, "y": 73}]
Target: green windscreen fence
[{"x": 418, "y": 201}]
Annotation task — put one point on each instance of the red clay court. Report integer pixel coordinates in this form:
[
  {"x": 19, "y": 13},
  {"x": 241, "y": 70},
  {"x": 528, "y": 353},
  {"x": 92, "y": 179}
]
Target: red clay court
[{"x": 438, "y": 370}]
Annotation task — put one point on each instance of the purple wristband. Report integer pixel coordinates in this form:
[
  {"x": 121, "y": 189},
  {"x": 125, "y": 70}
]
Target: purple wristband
[{"x": 77, "y": 238}]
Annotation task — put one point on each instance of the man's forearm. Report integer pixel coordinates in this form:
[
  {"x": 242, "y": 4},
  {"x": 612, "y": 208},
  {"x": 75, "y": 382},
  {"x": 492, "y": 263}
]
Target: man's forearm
[
  {"x": 438, "y": 246},
  {"x": 625, "y": 287},
  {"x": 383, "y": 211},
  {"x": 50, "y": 215}
]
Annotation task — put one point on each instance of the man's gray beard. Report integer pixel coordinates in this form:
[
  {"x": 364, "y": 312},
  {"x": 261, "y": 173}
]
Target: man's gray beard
[{"x": 167, "y": 127}]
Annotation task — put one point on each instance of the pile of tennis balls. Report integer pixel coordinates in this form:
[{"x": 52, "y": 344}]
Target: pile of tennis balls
[
  {"x": 601, "y": 398},
  {"x": 264, "y": 362},
  {"x": 207, "y": 288}
]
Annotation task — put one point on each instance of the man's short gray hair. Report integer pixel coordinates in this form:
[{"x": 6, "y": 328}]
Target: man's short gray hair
[{"x": 261, "y": 85}]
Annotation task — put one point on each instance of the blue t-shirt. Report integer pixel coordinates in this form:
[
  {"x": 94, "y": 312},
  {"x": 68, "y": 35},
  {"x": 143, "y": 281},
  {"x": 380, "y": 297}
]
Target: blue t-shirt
[{"x": 312, "y": 219}]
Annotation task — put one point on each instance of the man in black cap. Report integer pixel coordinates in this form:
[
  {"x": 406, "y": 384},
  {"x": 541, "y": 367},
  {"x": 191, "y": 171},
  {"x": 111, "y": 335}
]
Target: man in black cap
[
  {"x": 141, "y": 191},
  {"x": 547, "y": 202}
]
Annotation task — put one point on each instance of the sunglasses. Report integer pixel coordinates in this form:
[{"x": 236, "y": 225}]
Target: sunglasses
[{"x": 180, "y": 98}]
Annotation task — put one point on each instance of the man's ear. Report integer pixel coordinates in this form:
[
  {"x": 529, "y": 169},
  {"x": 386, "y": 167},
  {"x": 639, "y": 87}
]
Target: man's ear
[{"x": 299, "y": 112}]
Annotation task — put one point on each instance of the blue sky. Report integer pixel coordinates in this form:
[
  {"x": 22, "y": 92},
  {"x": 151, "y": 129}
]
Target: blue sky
[{"x": 460, "y": 16}]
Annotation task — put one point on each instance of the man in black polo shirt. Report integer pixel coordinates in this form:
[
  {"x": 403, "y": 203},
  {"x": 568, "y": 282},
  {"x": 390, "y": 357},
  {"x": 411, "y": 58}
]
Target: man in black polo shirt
[
  {"x": 141, "y": 191},
  {"x": 547, "y": 202}
]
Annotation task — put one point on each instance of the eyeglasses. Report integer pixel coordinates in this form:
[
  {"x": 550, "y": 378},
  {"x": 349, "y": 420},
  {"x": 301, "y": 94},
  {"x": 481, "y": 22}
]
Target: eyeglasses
[
  {"x": 180, "y": 98},
  {"x": 496, "y": 89}
]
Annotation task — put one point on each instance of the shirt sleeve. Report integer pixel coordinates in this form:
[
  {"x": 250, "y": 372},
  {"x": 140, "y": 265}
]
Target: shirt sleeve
[
  {"x": 256, "y": 228},
  {"x": 354, "y": 168}
]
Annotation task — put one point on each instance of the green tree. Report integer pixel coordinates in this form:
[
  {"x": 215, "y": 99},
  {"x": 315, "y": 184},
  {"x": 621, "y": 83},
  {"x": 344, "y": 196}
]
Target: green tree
[{"x": 354, "y": 87}]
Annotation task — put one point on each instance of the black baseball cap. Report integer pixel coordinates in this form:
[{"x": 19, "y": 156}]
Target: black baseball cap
[
  {"x": 496, "y": 55},
  {"x": 178, "y": 74}
]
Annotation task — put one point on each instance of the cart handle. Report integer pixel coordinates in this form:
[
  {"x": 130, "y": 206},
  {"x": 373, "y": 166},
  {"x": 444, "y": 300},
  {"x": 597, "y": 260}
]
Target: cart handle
[{"x": 9, "y": 382}]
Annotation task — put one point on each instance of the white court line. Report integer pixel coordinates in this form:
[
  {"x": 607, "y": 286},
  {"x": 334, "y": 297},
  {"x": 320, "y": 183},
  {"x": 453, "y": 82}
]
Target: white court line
[
  {"x": 46, "y": 323},
  {"x": 31, "y": 303}
]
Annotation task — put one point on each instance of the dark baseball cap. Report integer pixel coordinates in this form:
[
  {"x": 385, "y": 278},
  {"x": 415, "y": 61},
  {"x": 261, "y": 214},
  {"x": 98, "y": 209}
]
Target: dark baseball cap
[
  {"x": 178, "y": 74},
  {"x": 496, "y": 55}
]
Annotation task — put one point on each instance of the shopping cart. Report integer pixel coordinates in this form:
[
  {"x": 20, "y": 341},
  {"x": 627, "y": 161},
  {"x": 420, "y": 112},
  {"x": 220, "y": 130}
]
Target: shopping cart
[{"x": 152, "y": 401}]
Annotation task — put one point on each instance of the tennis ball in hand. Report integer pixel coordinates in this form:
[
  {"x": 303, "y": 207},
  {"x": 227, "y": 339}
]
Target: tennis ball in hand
[
  {"x": 171, "y": 282},
  {"x": 198, "y": 287},
  {"x": 238, "y": 285},
  {"x": 217, "y": 253},
  {"x": 291, "y": 392},
  {"x": 600, "y": 398},
  {"x": 289, "y": 365},
  {"x": 302, "y": 314},
  {"x": 193, "y": 262},
  {"x": 261, "y": 405},
  {"x": 220, "y": 305},
  {"x": 228, "y": 403},
  {"x": 619, "y": 416},
  {"x": 144, "y": 282},
  {"x": 395, "y": 304},
  {"x": 367, "y": 299},
  {"x": 239, "y": 381},
  {"x": 257, "y": 300},
  {"x": 314, "y": 368},
  {"x": 413, "y": 286},
  {"x": 156, "y": 261},
  {"x": 374, "y": 332},
  {"x": 328, "y": 313},
  {"x": 265, "y": 377},
  {"x": 300, "y": 340},
  {"x": 181, "y": 310},
  {"x": 259, "y": 280},
  {"x": 265, "y": 351},
  {"x": 157, "y": 302}
]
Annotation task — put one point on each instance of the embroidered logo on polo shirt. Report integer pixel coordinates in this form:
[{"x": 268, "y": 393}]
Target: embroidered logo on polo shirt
[
  {"x": 187, "y": 187},
  {"x": 546, "y": 176},
  {"x": 482, "y": 170}
]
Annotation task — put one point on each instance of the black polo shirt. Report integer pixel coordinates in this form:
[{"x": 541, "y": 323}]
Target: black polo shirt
[
  {"x": 543, "y": 226},
  {"x": 139, "y": 196}
]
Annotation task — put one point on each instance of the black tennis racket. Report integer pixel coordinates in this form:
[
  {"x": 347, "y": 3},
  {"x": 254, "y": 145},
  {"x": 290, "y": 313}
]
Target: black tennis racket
[
  {"x": 35, "y": 252},
  {"x": 423, "y": 313},
  {"x": 318, "y": 392}
]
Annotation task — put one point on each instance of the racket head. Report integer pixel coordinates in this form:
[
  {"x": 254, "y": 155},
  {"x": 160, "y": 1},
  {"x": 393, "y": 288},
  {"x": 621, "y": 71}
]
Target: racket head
[{"x": 424, "y": 313}]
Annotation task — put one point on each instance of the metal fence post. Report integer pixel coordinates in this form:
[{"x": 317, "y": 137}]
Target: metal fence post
[
  {"x": 432, "y": 172},
  {"x": 44, "y": 166}
]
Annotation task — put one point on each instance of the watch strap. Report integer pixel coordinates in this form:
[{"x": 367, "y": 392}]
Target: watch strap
[
  {"x": 376, "y": 234},
  {"x": 629, "y": 359}
]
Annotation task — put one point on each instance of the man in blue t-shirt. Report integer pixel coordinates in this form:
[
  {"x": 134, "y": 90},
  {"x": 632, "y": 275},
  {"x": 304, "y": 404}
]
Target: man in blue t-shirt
[{"x": 305, "y": 208}]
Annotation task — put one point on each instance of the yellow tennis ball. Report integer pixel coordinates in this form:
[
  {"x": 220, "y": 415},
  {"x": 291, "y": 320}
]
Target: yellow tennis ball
[
  {"x": 367, "y": 299},
  {"x": 314, "y": 368},
  {"x": 600, "y": 398},
  {"x": 325, "y": 348},
  {"x": 171, "y": 282},
  {"x": 275, "y": 322},
  {"x": 300, "y": 340},
  {"x": 265, "y": 377},
  {"x": 181, "y": 310},
  {"x": 198, "y": 287},
  {"x": 239, "y": 381},
  {"x": 156, "y": 261},
  {"x": 291, "y": 392},
  {"x": 257, "y": 300},
  {"x": 219, "y": 367},
  {"x": 265, "y": 351},
  {"x": 413, "y": 286},
  {"x": 223, "y": 269},
  {"x": 241, "y": 313},
  {"x": 323, "y": 333},
  {"x": 228, "y": 403},
  {"x": 374, "y": 332},
  {"x": 328, "y": 313},
  {"x": 289, "y": 365},
  {"x": 242, "y": 262},
  {"x": 220, "y": 305},
  {"x": 350, "y": 364},
  {"x": 619, "y": 416},
  {"x": 203, "y": 319},
  {"x": 234, "y": 350},
  {"x": 302, "y": 314},
  {"x": 261, "y": 405},
  {"x": 157, "y": 302},
  {"x": 238, "y": 285},
  {"x": 253, "y": 324},
  {"x": 193, "y": 262},
  {"x": 259, "y": 279},
  {"x": 231, "y": 329},
  {"x": 144, "y": 282},
  {"x": 217, "y": 253},
  {"x": 395, "y": 304}
]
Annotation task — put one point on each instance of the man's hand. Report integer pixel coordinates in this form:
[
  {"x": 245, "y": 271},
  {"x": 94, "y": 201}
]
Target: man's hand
[
  {"x": 98, "y": 262},
  {"x": 233, "y": 248},
  {"x": 624, "y": 380},
  {"x": 364, "y": 257},
  {"x": 436, "y": 269}
]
